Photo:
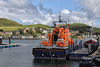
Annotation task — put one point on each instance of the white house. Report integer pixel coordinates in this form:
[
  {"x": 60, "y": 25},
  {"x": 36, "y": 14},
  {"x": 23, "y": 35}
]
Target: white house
[
  {"x": 26, "y": 37},
  {"x": 44, "y": 31}
]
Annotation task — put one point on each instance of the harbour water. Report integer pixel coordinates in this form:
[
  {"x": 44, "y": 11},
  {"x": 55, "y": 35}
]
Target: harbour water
[{"x": 22, "y": 56}]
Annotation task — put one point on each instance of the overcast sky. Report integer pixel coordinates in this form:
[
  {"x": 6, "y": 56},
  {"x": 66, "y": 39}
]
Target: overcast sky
[{"x": 46, "y": 11}]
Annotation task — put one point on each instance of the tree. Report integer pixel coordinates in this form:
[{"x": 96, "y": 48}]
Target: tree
[
  {"x": 1, "y": 30},
  {"x": 20, "y": 30}
]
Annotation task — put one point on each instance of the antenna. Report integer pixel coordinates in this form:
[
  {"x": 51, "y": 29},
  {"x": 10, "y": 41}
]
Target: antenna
[
  {"x": 92, "y": 28},
  {"x": 79, "y": 21},
  {"x": 59, "y": 20},
  {"x": 68, "y": 19},
  {"x": 60, "y": 17}
]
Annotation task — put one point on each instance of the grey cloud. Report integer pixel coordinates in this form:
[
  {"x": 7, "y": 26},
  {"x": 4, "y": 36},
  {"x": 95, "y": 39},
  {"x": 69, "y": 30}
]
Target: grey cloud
[
  {"x": 91, "y": 7},
  {"x": 28, "y": 13},
  {"x": 21, "y": 10},
  {"x": 45, "y": 9}
]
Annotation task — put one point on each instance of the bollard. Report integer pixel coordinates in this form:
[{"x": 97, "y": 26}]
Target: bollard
[
  {"x": 9, "y": 40},
  {"x": 69, "y": 47},
  {"x": 0, "y": 40},
  {"x": 89, "y": 48},
  {"x": 73, "y": 47},
  {"x": 76, "y": 42},
  {"x": 98, "y": 42},
  {"x": 80, "y": 44}
]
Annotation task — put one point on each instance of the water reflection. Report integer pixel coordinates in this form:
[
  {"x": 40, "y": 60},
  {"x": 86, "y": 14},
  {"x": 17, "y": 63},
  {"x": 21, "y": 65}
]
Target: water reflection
[
  {"x": 22, "y": 56},
  {"x": 54, "y": 63}
]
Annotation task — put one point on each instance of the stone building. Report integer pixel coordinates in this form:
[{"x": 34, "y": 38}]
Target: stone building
[
  {"x": 32, "y": 29},
  {"x": 6, "y": 33},
  {"x": 27, "y": 37},
  {"x": 25, "y": 30},
  {"x": 16, "y": 33}
]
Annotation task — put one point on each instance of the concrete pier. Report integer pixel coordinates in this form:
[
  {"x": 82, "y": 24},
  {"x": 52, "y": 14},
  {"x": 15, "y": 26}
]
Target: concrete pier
[{"x": 9, "y": 46}]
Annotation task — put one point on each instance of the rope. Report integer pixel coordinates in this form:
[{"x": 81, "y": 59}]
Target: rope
[
  {"x": 76, "y": 55},
  {"x": 50, "y": 53}
]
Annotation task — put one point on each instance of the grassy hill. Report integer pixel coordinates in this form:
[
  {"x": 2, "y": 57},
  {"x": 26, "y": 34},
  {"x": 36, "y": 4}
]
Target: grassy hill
[
  {"x": 37, "y": 25},
  {"x": 9, "y": 25},
  {"x": 6, "y": 22},
  {"x": 82, "y": 27},
  {"x": 79, "y": 26},
  {"x": 13, "y": 28}
]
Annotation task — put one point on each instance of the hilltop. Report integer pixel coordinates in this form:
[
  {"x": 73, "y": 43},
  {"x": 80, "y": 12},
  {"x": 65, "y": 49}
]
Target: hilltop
[
  {"x": 9, "y": 25},
  {"x": 37, "y": 25},
  {"x": 7, "y": 22},
  {"x": 79, "y": 26},
  {"x": 82, "y": 27}
]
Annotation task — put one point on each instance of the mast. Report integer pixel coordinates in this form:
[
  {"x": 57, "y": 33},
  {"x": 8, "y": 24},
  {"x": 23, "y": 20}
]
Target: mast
[
  {"x": 59, "y": 20},
  {"x": 92, "y": 30},
  {"x": 60, "y": 17}
]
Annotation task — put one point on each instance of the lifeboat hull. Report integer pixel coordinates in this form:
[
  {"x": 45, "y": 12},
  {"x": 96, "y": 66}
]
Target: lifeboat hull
[{"x": 50, "y": 53}]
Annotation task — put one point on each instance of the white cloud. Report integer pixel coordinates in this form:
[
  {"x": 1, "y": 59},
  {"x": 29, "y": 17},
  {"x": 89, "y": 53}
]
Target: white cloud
[
  {"x": 91, "y": 7},
  {"x": 64, "y": 11},
  {"x": 24, "y": 11},
  {"x": 17, "y": 9},
  {"x": 76, "y": 17},
  {"x": 28, "y": 13}
]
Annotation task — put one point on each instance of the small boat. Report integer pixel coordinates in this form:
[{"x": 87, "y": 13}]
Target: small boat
[
  {"x": 57, "y": 43},
  {"x": 89, "y": 45},
  {"x": 90, "y": 41}
]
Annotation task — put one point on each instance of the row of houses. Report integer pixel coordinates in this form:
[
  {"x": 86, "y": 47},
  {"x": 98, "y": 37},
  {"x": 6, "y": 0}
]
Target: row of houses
[
  {"x": 25, "y": 30},
  {"x": 22, "y": 37},
  {"x": 39, "y": 36},
  {"x": 6, "y": 33},
  {"x": 18, "y": 37},
  {"x": 10, "y": 33}
]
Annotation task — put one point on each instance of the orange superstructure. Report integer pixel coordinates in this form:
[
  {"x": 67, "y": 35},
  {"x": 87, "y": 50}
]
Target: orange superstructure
[{"x": 61, "y": 37}]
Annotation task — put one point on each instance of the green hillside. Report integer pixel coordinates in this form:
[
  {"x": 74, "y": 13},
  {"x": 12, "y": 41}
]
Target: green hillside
[
  {"x": 9, "y": 25},
  {"x": 37, "y": 25},
  {"x": 6, "y": 22},
  {"x": 82, "y": 27},
  {"x": 78, "y": 24}
]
